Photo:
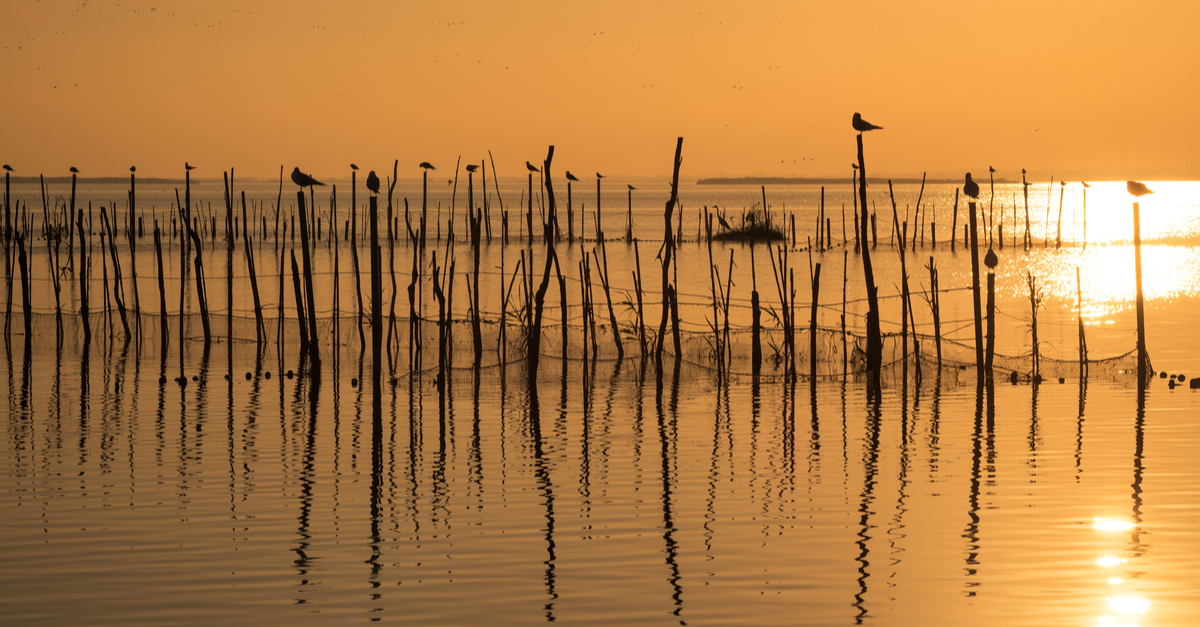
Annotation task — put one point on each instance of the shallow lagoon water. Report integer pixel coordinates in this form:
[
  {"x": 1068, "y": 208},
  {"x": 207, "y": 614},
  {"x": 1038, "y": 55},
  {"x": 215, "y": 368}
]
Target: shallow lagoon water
[{"x": 606, "y": 500}]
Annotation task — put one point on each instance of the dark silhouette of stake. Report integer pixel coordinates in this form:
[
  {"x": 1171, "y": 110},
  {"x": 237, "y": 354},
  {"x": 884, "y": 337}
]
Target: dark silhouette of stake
[
  {"x": 1137, "y": 190},
  {"x": 874, "y": 340},
  {"x": 314, "y": 351},
  {"x": 991, "y": 261}
]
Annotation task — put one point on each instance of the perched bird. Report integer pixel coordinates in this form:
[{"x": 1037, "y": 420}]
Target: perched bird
[
  {"x": 1085, "y": 185},
  {"x": 529, "y": 166},
  {"x": 133, "y": 168},
  {"x": 472, "y": 167},
  {"x": 990, "y": 260},
  {"x": 971, "y": 188},
  {"x": 1137, "y": 189},
  {"x": 861, "y": 125},
  {"x": 8, "y": 167},
  {"x": 187, "y": 166},
  {"x": 631, "y": 188},
  {"x": 353, "y": 167},
  {"x": 599, "y": 175},
  {"x": 303, "y": 180},
  {"x": 75, "y": 169},
  {"x": 427, "y": 165},
  {"x": 373, "y": 182},
  {"x": 724, "y": 224},
  {"x": 1022, "y": 171},
  {"x": 991, "y": 170},
  {"x": 571, "y": 177},
  {"x": 854, "y": 165}
]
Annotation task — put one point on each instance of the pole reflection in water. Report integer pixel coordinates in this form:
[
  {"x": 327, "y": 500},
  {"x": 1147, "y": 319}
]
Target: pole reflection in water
[
  {"x": 971, "y": 533},
  {"x": 867, "y": 498},
  {"x": 667, "y": 438}
]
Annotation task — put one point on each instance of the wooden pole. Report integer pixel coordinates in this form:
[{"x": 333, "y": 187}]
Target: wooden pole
[
  {"x": 313, "y": 343},
  {"x": 874, "y": 339},
  {"x": 974, "y": 236},
  {"x": 1143, "y": 357}
]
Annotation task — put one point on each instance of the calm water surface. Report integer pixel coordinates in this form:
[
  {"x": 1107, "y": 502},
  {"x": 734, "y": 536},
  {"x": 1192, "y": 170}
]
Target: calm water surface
[{"x": 613, "y": 496}]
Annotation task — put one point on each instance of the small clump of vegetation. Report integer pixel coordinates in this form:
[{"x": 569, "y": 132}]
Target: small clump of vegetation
[{"x": 755, "y": 225}]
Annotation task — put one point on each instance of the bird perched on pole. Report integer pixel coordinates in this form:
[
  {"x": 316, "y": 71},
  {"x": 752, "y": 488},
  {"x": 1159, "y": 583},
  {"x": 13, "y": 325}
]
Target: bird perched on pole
[
  {"x": 1084, "y": 184},
  {"x": 861, "y": 125},
  {"x": 75, "y": 169},
  {"x": 599, "y": 175},
  {"x": 353, "y": 167},
  {"x": 631, "y": 188},
  {"x": 427, "y": 165},
  {"x": 372, "y": 182},
  {"x": 472, "y": 167},
  {"x": 1137, "y": 189},
  {"x": 8, "y": 167},
  {"x": 971, "y": 188},
  {"x": 133, "y": 168},
  {"x": 187, "y": 166},
  {"x": 530, "y": 167},
  {"x": 303, "y": 180},
  {"x": 571, "y": 177},
  {"x": 991, "y": 170}
]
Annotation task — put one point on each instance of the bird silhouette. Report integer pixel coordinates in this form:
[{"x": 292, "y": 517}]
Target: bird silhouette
[
  {"x": 427, "y": 165},
  {"x": 724, "y": 224},
  {"x": 303, "y": 180},
  {"x": 599, "y": 175},
  {"x": 8, "y": 168},
  {"x": 1085, "y": 184},
  {"x": 991, "y": 170},
  {"x": 971, "y": 188},
  {"x": 75, "y": 170},
  {"x": 571, "y": 177},
  {"x": 133, "y": 168},
  {"x": 353, "y": 167},
  {"x": 472, "y": 167},
  {"x": 990, "y": 260},
  {"x": 187, "y": 166},
  {"x": 529, "y": 166},
  {"x": 861, "y": 125},
  {"x": 372, "y": 182},
  {"x": 1022, "y": 171},
  {"x": 631, "y": 188},
  {"x": 1137, "y": 189},
  {"x": 854, "y": 165}
]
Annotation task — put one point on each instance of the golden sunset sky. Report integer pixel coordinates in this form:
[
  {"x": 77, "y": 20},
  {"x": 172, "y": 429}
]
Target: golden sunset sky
[{"x": 1076, "y": 89}]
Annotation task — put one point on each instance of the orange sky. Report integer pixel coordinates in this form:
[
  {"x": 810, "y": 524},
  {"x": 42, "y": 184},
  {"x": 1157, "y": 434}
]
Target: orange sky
[{"x": 1075, "y": 89}]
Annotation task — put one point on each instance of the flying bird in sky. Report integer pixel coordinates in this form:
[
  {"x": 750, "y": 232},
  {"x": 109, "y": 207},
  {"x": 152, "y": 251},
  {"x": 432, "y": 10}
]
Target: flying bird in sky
[
  {"x": 427, "y": 165},
  {"x": 530, "y": 167},
  {"x": 1137, "y": 189},
  {"x": 571, "y": 177},
  {"x": 861, "y": 125},
  {"x": 372, "y": 182},
  {"x": 303, "y": 180},
  {"x": 971, "y": 188}
]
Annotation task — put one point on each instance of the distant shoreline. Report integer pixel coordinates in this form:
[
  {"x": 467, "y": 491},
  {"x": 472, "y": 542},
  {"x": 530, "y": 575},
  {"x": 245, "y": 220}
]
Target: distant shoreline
[
  {"x": 777, "y": 180},
  {"x": 97, "y": 180}
]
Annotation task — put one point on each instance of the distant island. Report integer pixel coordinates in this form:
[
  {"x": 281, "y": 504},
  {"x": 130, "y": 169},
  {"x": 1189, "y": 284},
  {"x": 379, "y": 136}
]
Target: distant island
[{"x": 779, "y": 180}]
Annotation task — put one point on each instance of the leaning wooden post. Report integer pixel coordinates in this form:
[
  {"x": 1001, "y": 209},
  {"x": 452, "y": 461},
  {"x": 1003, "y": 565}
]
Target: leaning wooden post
[
  {"x": 313, "y": 348},
  {"x": 874, "y": 340},
  {"x": 23, "y": 263}
]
